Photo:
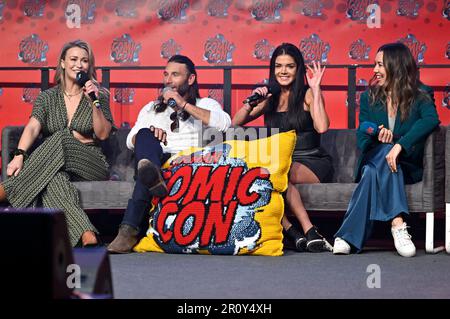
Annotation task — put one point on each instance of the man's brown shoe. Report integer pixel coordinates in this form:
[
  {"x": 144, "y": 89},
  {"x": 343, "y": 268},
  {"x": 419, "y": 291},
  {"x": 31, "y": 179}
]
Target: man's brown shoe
[{"x": 125, "y": 240}]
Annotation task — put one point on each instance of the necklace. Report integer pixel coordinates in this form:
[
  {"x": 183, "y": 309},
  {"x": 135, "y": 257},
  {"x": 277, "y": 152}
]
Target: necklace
[{"x": 71, "y": 95}]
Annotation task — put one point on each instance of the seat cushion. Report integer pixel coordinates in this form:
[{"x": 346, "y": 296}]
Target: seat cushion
[
  {"x": 326, "y": 196},
  {"x": 224, "y": 199},
  {"x": 415, "y": 195},
  {"x": 336, "y": 196},
  {"x": 104, "y": 194}
]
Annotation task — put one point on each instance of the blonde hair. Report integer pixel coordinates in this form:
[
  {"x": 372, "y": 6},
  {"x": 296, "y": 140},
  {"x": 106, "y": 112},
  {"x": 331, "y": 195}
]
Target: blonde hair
[{"x": 59, "y": 75}]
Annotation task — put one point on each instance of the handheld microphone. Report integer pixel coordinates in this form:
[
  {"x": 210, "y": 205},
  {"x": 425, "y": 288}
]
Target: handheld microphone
[
  {"x": 273, "y": 88},
  {"x": 82, "y": 78},
  {"x": 170, "y": 102},
  {"x": 369, "y": 128},
  {"x": 372, "y": 129},
  {"x": 183, "y": 115}
]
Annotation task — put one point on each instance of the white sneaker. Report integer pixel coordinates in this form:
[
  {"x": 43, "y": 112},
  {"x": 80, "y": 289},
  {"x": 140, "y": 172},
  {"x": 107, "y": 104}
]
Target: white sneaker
[
  {"x": 402, "y": 241},
  {"x": 341, "y": 247}
]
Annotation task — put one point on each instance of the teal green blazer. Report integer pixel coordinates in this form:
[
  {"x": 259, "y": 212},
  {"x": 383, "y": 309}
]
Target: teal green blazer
[{"x": 411, "y": 134}]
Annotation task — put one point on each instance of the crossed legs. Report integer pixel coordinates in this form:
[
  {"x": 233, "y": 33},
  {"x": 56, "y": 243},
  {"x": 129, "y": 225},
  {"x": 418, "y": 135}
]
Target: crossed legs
[{"x": 299, "y": 174}]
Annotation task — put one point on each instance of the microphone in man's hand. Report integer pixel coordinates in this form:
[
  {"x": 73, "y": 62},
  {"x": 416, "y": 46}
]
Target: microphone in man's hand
[
  {"x": 170, "y": 102},
  {"x": 183, "y": 115},
  {"x": 82, "y": 78},
  {"x": 273, "y": 88}
]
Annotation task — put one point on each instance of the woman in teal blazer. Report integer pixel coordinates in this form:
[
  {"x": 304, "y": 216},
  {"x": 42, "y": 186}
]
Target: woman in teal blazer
[{"x": 397, "y": 114}]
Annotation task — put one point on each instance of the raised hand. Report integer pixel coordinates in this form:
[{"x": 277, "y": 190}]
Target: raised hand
[{"x": 314, "y": 76}]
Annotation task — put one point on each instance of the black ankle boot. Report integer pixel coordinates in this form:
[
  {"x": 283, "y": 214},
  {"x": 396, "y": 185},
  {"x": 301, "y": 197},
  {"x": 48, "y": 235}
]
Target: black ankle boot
[{"x": 298, "y": 237}]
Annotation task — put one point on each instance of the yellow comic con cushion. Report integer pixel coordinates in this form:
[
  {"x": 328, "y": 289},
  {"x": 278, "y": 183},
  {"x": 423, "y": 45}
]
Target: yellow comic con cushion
[{"x": 223, "y": 199}]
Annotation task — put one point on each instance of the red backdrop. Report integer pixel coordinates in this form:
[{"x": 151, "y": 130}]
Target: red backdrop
[{"x": 216, "y": 32}]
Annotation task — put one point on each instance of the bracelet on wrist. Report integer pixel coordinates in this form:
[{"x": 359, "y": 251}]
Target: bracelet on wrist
[
  {"x": 19, "y": 151},
  {"x": 184, "y": 105}
]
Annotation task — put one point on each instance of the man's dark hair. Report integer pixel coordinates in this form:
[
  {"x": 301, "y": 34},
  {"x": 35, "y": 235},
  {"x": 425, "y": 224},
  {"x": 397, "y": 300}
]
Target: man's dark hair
[{"x": 192, "y": 91}]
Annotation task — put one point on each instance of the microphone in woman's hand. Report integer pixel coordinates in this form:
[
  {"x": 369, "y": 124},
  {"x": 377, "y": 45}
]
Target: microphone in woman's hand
[
  {"x": 273, "y": 88},
  {"x": 82, "y": 78},
  {"x": 372, "y": 129},
  {"x": 369, "y": 128}
]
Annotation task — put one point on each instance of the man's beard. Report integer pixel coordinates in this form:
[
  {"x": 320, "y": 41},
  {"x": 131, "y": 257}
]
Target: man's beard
[{"x": 183, "y": 88}]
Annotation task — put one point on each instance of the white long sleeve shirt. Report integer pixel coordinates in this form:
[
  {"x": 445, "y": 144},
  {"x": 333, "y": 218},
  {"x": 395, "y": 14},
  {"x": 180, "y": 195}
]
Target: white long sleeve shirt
[{"x": 190, "y": 131}]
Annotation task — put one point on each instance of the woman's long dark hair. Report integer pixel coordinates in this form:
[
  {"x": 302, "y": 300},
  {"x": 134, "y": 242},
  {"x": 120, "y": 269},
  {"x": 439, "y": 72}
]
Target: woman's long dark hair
[
  {"x": 192, "y": 90},
  {"x": 296, "y": 113},
  {"x": 402, "y": 79}
]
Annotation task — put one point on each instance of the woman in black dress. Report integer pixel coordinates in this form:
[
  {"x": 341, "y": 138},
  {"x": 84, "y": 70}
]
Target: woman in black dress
[{"x": 299, "y": 106}]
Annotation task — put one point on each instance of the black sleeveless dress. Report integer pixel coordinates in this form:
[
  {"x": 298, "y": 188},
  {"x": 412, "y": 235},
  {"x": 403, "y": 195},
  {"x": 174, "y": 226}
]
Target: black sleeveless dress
[{"x": 307, "y": 149}]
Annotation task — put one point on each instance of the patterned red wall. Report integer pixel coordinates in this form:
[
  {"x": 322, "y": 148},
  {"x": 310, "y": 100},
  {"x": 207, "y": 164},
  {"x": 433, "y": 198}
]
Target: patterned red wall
[{"x": 211, "y": 32}]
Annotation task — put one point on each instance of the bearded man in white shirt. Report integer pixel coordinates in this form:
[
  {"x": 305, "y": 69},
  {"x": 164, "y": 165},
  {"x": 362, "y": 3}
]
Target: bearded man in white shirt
[{"x": 172, "y": 123}]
